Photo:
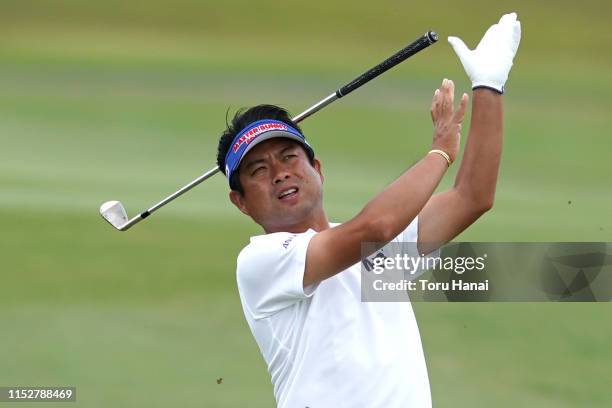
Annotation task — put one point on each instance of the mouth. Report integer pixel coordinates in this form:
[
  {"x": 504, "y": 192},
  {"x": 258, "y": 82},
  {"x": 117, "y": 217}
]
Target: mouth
[{"x": 288, "y": 193}]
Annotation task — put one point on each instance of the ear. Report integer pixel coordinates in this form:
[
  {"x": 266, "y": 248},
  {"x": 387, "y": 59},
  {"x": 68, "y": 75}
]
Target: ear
[
  {"x": 319, "y": 169},
  {"x": 238, "y": 200}
]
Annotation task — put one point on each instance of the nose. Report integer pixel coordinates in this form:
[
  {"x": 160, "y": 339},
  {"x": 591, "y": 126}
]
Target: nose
[{"x": 281, "y": 174}]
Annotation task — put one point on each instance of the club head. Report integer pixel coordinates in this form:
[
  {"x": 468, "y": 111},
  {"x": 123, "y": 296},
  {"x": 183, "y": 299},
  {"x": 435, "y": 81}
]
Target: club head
[{"x": 114, "y": 213}]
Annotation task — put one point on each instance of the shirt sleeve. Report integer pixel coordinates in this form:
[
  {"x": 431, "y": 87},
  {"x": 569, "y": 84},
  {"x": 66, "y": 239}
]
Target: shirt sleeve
[
  {"x": 270, "y": 272},
  {"x": 406, "y": 242}
]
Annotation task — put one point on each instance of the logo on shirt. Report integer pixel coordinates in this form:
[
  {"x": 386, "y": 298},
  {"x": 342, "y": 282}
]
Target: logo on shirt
[
  {"x": 368, "y": 263},
  {"x": 288, "y": 241}
]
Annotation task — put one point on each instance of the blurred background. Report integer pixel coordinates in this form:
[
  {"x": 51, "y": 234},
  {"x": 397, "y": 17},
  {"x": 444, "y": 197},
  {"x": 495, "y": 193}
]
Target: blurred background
[{"x": 126, "y": 100}]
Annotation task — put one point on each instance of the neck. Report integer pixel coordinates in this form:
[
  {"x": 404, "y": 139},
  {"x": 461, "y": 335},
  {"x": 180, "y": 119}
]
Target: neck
[{"x": 318, "y": 223}]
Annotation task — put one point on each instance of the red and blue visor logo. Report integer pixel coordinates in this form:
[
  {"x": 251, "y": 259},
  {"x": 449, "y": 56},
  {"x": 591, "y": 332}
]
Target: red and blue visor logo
[{"x": 255, "y": 133}]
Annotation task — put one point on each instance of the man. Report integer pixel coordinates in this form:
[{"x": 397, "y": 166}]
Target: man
[{"x": 299, "y": 283}]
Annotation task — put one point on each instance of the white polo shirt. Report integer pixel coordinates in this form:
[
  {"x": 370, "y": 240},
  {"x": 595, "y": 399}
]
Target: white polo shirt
[{"x": 324, "y": 347}]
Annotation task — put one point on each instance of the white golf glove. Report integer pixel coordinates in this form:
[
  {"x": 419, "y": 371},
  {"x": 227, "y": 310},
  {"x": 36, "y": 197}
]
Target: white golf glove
[{"x": 489, "y": 64}]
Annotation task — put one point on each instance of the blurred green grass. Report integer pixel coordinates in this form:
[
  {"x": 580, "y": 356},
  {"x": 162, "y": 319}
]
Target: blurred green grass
[{"x": 126, "y": 100}]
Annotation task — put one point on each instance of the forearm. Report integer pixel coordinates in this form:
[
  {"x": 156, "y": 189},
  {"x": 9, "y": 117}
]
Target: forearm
[
  {"x": 477, "y": 175},
  {"x": 398, "y": 204},
  {"x": 392, "y": 210},
  {"x": 381, "y": 220},
  {"x": 450, "y": 212}
]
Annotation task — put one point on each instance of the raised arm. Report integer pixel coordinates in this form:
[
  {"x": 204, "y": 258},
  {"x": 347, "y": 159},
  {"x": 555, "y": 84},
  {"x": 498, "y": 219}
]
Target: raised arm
[
  {"x": 449, "y": 213},
  {"x": 391, "y": 211}
]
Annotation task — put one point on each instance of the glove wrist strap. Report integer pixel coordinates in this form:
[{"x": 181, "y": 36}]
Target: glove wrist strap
[{"x": 489, "y": 87}]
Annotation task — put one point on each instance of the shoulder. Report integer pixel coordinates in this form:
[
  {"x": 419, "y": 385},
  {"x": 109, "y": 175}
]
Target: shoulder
[
  {"x": 270, "y": 272},
  {"x": 262, "y": 246},
  {"x": 271, "y": 249}
]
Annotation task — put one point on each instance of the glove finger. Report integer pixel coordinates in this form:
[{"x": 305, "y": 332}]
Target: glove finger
[
  {"x": 507, "y": 18},
  {"x": 497, "y": 31},
  {"x": 489, "y": 37},
  {"x": 460, "y": 49},
  {"x": 516, "y": 36},
  {"x": 510, "y": 35}
]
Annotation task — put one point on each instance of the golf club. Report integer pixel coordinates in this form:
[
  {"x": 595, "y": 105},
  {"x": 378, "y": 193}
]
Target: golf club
[{"x": 114, "y": 212}]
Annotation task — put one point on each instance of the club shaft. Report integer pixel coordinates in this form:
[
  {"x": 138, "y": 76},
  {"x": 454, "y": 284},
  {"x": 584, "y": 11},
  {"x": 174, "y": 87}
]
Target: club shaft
[
  {"x": 315, "y": 108},
  {"x": 185, "y": 189},
  {"x": 170, "y": 198},
  {"x": 420, "y": 44},
  {"x": 135, "y": 220}
]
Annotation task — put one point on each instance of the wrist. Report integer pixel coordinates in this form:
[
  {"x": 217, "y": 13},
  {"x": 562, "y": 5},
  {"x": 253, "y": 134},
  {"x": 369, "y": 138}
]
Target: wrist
[{"x": 442, "y": 155}]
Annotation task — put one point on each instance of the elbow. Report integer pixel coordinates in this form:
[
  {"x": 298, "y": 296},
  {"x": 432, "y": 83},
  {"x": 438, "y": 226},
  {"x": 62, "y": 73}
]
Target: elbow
[
  {"x": 385, "y": 232},
  {"x": 377, "y": 229},
  {"x": 484, "y": 204},
  {"x": 386, "y": 229},
  {"x": 477, "y": 202}
]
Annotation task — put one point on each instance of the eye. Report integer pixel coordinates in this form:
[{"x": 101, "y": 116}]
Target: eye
[
  {"x": 258, "y": 170},
  {"x": 290, "y": 156}
]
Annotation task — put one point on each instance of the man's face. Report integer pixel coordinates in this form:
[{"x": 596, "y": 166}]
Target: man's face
[{"x": 282, "y": 190}]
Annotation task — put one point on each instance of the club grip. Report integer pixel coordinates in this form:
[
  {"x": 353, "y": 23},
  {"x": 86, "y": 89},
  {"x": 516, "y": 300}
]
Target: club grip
[{"x": 420, "y": 44}]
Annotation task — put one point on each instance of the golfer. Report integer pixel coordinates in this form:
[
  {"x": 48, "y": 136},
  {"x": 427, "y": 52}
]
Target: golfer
[{"x": 299, "y": 282}]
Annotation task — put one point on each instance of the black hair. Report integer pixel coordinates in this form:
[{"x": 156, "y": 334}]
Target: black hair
[{"x": 242, "y": 119}]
